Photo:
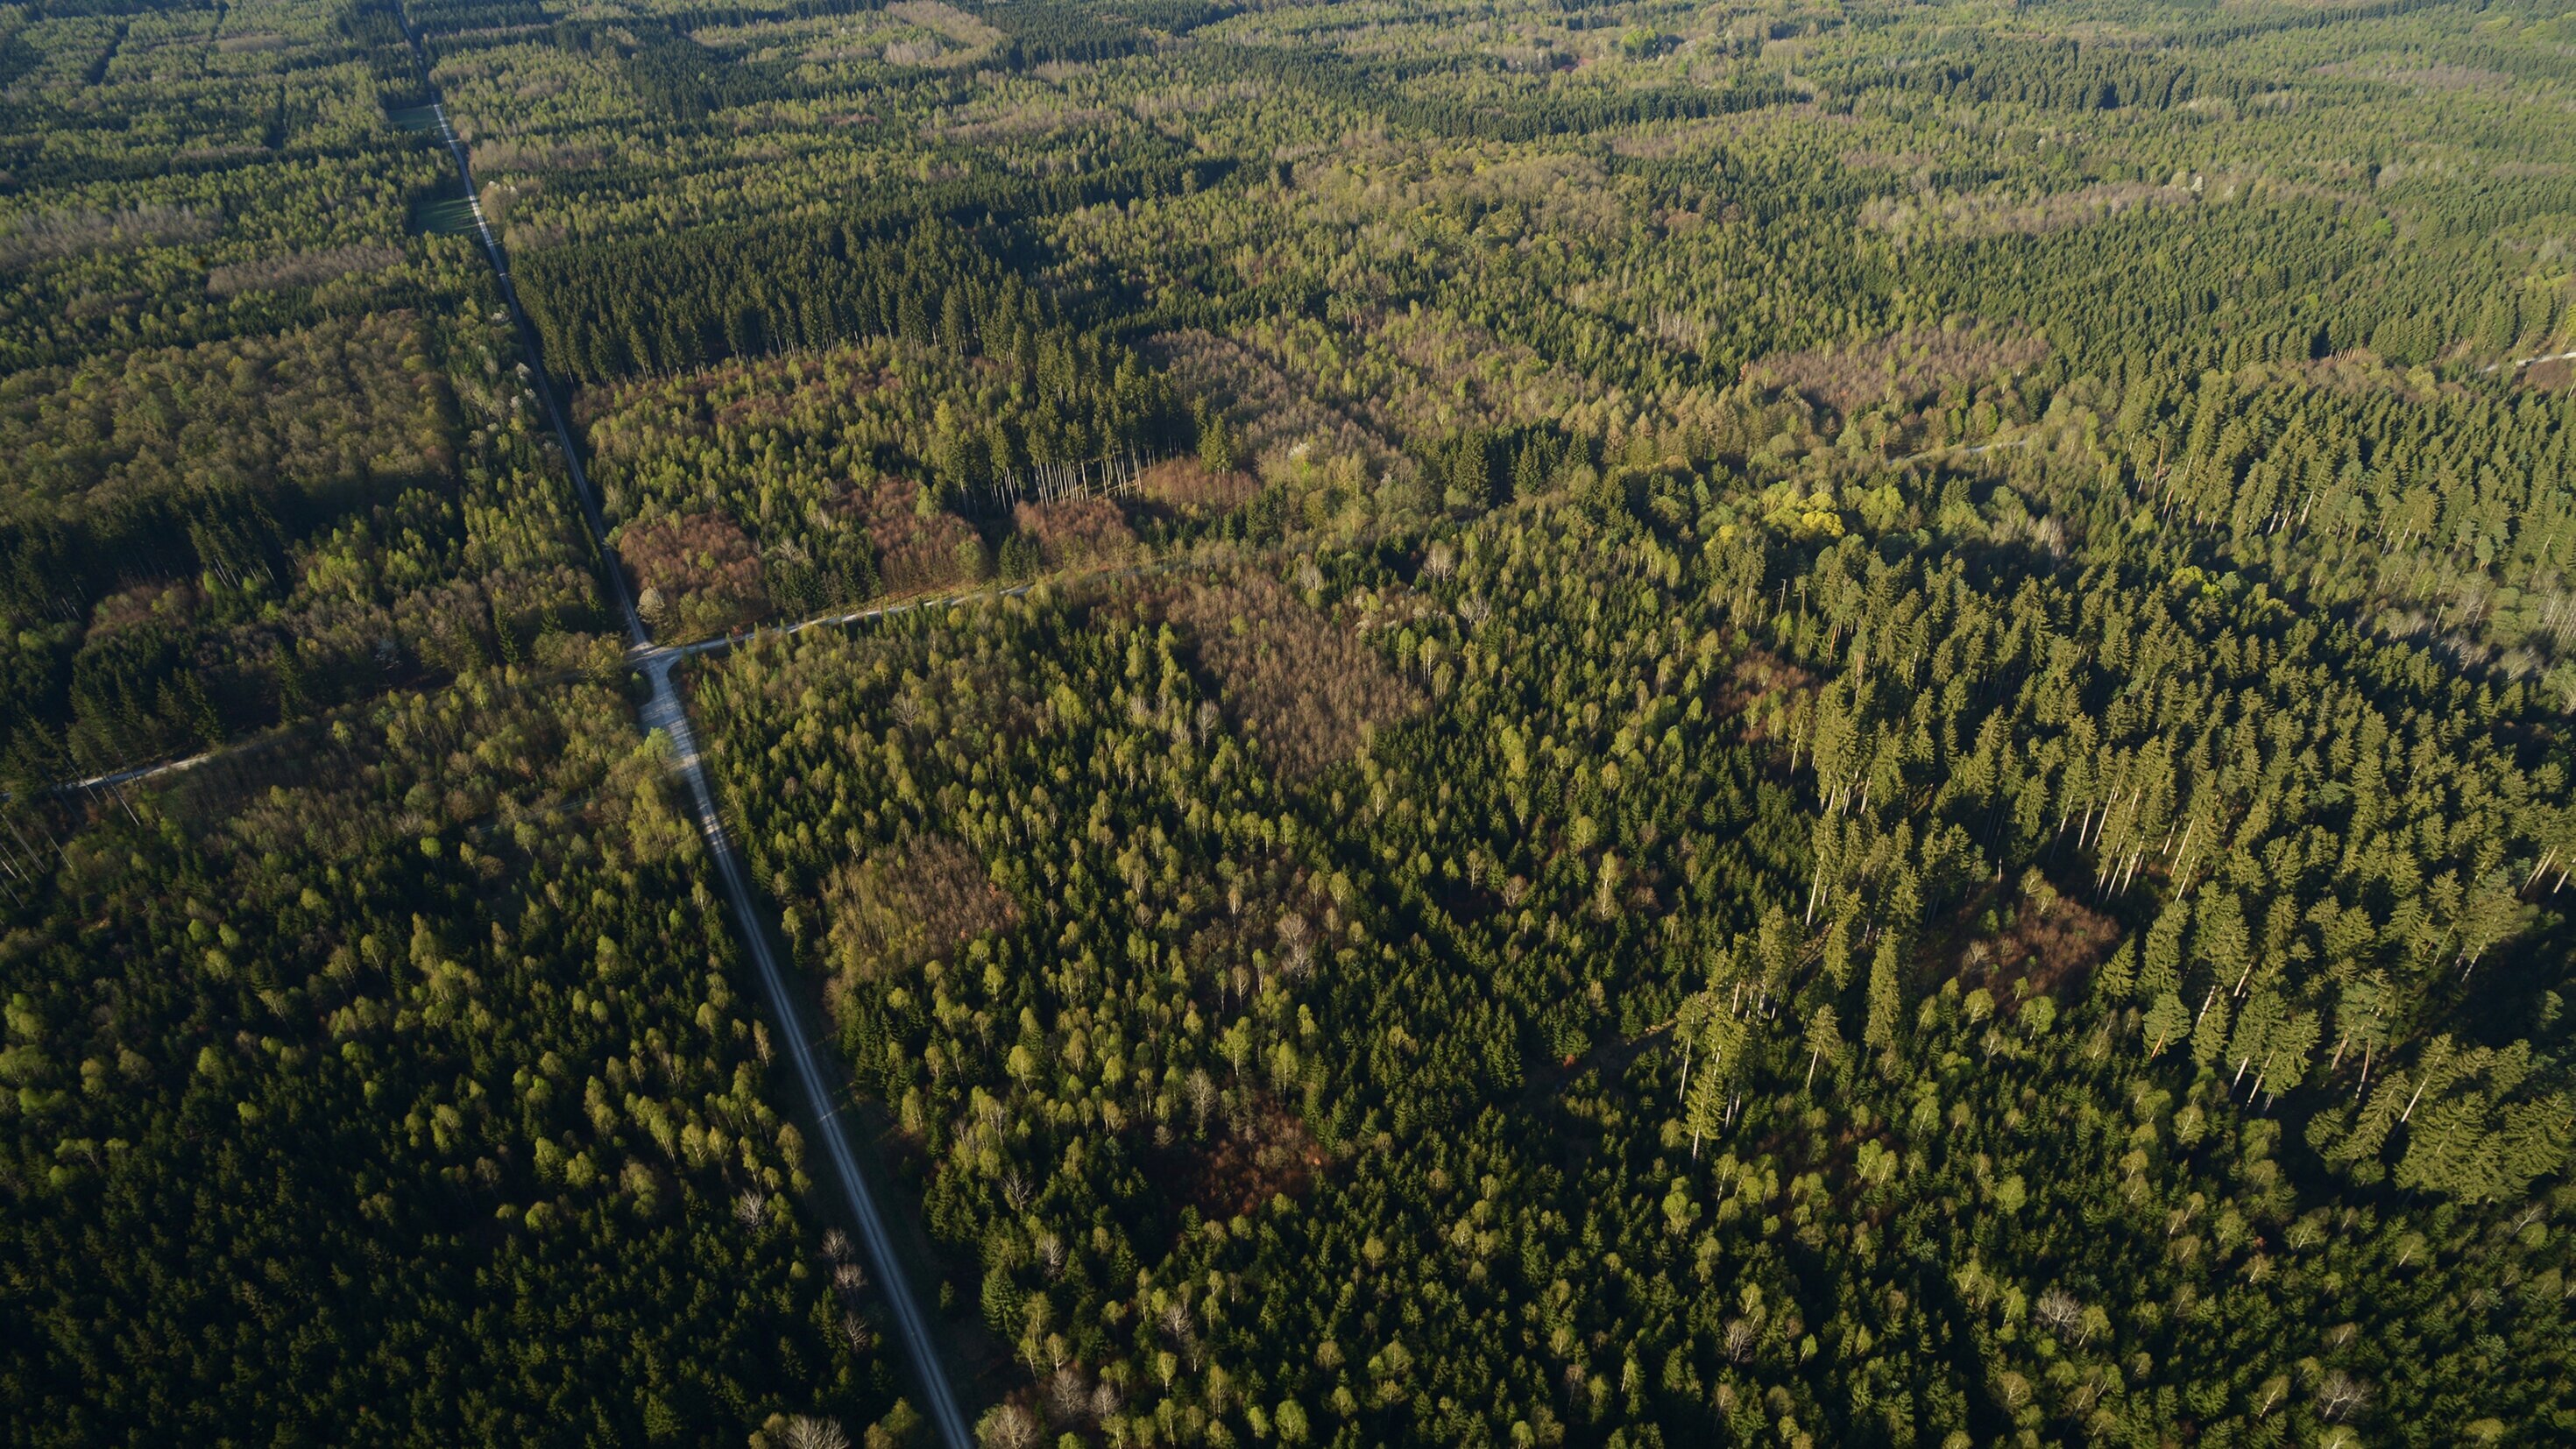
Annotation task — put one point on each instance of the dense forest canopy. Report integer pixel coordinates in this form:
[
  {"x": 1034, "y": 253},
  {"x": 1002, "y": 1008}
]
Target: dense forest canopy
[{"x": 1607, "y": 722}]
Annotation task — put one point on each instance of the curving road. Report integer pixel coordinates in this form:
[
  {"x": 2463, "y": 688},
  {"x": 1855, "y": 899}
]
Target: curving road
[{"x": 663, "y": 711}]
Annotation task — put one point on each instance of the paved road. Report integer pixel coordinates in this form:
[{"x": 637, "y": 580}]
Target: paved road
[
  {"x": 817, "y": 1075},
  {"x": 815, "y": 1070}
]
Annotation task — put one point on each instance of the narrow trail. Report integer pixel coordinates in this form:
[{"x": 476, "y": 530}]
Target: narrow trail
[
  {"x": 817, "y": 1074},
  {"x": 721, "y": 643},
  {"x": 2519, "y": 363},
  {"x": 642, "y": 657},
  {"x": 114, "y": 778}
]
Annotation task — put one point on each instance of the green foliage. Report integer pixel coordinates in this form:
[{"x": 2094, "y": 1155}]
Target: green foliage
[
  {"x": 208, "y": 540},
  {"x": 403, "y": 1123},
  {"x": 1593, "y": 895},
  {"x": 1805, "y": 725}
]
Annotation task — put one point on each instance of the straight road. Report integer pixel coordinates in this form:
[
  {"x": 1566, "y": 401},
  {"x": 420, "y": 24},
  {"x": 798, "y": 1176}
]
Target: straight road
[{"x": 816, "y": 1074}]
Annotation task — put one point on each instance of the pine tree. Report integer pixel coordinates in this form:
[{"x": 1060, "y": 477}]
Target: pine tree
[
  {"x": 2209, "y": 1034},
  {"x": 2287, "y": 1054},
  {"x": 2251, "y": 1039},
  {"x": 2113, "y": 980},
  {"x": 2168, "y": 1021},
  {"x": 2162, "y": 971},
  {"x": 1879, "y": 1032},
  {"x": 1824, "y": 1040},
  {"x": 1706, "y": 1110},
  {"x": 2218, "y": 939}
]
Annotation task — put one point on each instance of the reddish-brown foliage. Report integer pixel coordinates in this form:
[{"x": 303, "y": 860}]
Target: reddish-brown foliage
[
  {"x": 1757, "y": 679},
  {"x": 917, "y": 551},
  {"x": 693, "y": 571},
  {"x": 47, "y": 235},
  {"x": 905, "y": 904},
  {"x": 299, "y": 269},
  {"x": 1183, "y": 484},
  {"x": 2057, "y": 939},
  {"x": 1871, "y": 160},
  {"x": 1302, "y": 684},
  {"x": 1274, "y": 409},
  {"x": 142, "y": 604},
  {"x": 2054, "y": 940},
  {"x": 1273, "y": 1156},
  {"x": 1910, "y": 364},
  {"x": 1075, "y": 532},
  {"x": 1962, "y": 217}
]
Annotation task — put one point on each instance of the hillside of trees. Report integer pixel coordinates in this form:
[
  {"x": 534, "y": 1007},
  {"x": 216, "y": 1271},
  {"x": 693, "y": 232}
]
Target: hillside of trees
[
  {"x": 1956, "y": 1000},
  {"x": 382, "y": 1078},
  {"x": 1612, "y": 724},
  {"x": 385, "y": 1087}
]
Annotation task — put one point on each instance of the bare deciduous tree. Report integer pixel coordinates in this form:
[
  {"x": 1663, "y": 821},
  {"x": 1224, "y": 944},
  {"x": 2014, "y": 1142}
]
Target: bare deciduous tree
[
  {"x": 1739, "y": 1340},
  {"x": 1007, "y": 1426},
  {"x": 1202, "y": 1092},
  {"x": 2058, "y": 1310},
  {"x": 805, "y": 1432},
  {"x": 2341, "y": 1395},
  {"x": 1067, "y": 1397}
]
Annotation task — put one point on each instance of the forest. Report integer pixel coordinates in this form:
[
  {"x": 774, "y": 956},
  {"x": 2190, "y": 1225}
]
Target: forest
[{"x": 1613, "y": 723}]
